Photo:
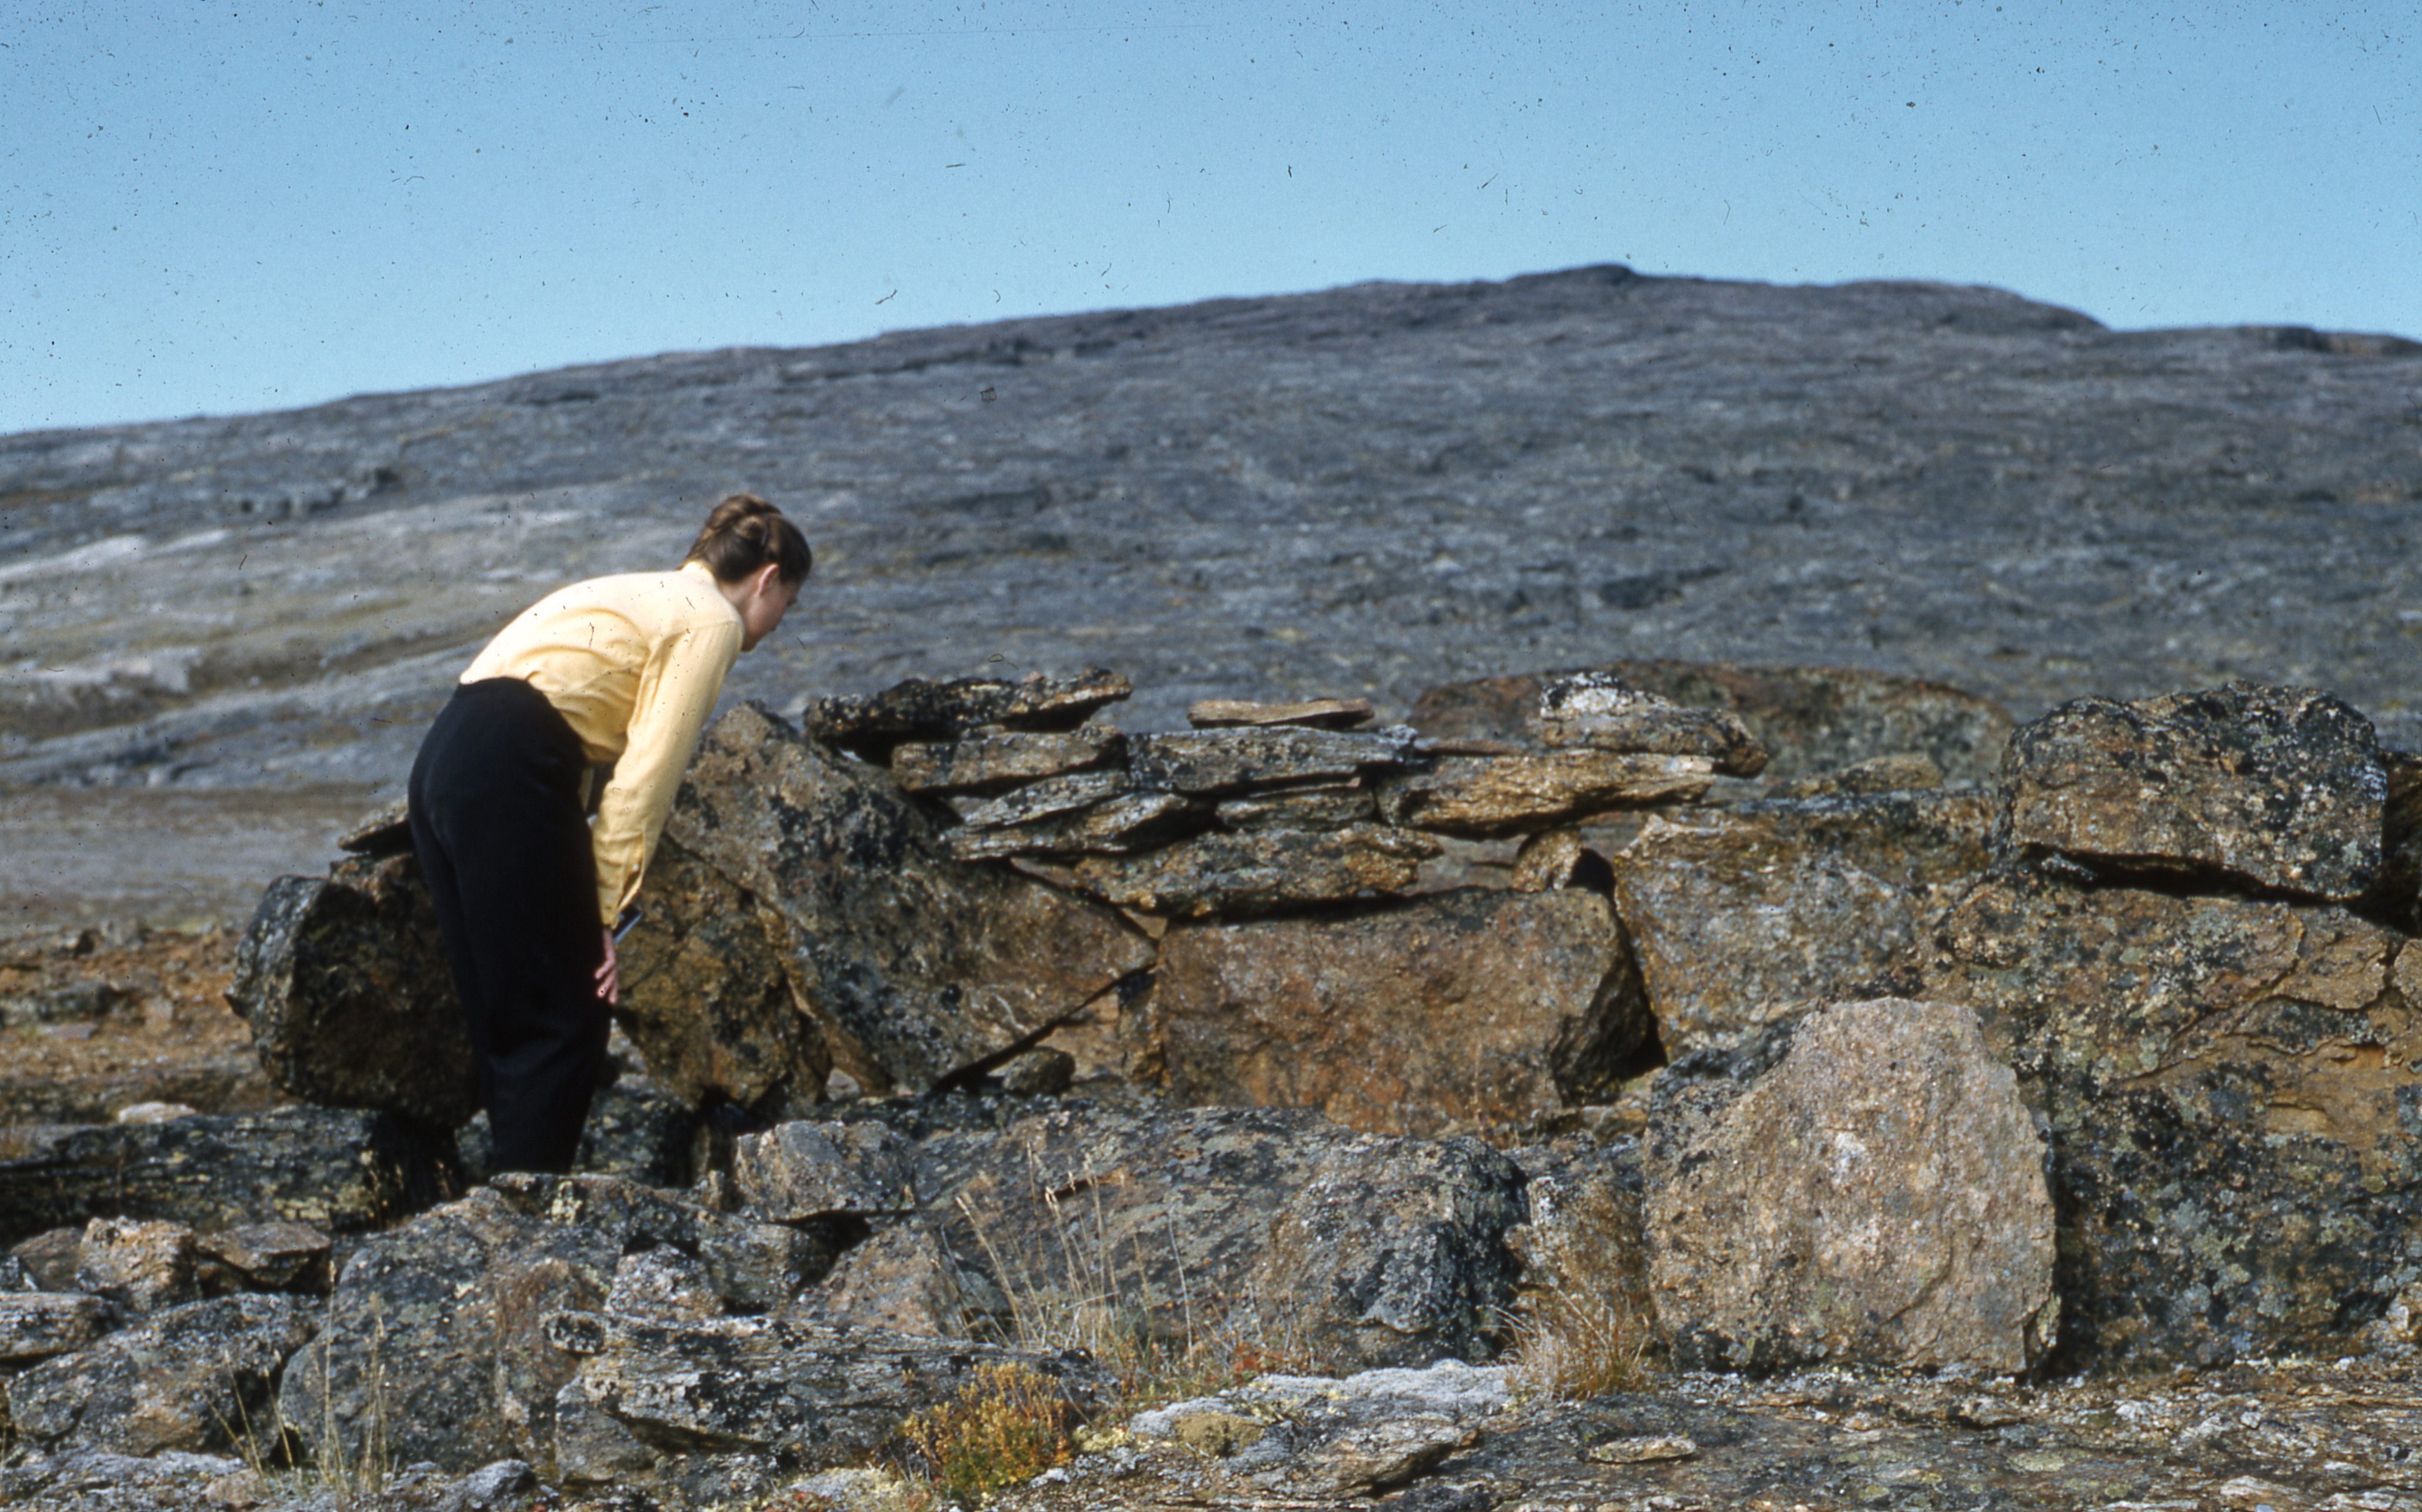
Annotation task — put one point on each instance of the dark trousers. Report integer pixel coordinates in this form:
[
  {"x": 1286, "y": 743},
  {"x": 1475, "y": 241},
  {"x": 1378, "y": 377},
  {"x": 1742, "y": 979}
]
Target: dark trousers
[{"x": 497, "y": 819}]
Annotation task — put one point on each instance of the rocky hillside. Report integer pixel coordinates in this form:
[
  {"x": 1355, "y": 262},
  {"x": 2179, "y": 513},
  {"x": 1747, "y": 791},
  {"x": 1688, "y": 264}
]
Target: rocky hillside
[{"x": 1362, "y": 492}]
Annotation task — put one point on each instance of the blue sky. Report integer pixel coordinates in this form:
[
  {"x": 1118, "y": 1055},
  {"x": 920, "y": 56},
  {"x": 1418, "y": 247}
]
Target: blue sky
[{"x": 239, "y": 206}]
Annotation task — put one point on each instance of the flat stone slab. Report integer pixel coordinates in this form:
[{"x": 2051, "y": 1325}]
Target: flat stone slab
[
  {"x": 1114, "y": 826},
  {"x": 1229, "y": 761},
  {"x": 1599, "y": 711},
  {"x": 921, "y": 710},
  {"x": 1243, "y": 873},
  {"x": 992, "y": 761},
  {"x": 2268, "y": 787},
  {"x": 1324, "y": 807},
  {"x": 1319, "y": 714},
  {"x": 37, "y": 1325},
  {"x": 1492, "y": 796},
  {"x": 1045, "y": 800}
]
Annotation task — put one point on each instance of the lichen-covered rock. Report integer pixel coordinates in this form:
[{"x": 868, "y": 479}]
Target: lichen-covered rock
[
  {"x": 1158, "y": 1214},
  {"x": 37, "y": 1325},
  {"x": 1113, "y": 826},
  {"x": 708, "y": 998},
  {"x": 917, "y": 966},
  {"x": 635, "y": 1132},
  {"x": 1207, "y": 761},
  {"x": 1257, "y": 870},
  {"x": 921, "y": 710},
  {"x": 1601, "y": 712},
  {"x": 433, "y": 1347},
  {"x": 906, "y": 1280},
  {"x": 995, "y": 762},
  {"x": 1319, "y": 805},
  {"x": 142, "y": 1267},
  {"x": 751, "y": 1265},
  {"x": 194, "y": 1378},
  {"x": 1460, "y": 1009},
  {"x": 818, "y": 1395},
  {"x": 2263, "y": 787},
  {"x": 343, "y": 1173},
  {"x": 800, "y": 1170},
  {"x": 1742, "y": 916},
  {"x": 1522, "y": 793},
  {"x": 1392, "y": 1252},
  {"x": 1808, "y": 718},
  {"x": 344, "y": 982},
  {"x": 1584, "y": 1261},
  {"x": 272, "y": 1256},
  {"x": 1863, "y": 1185},
  {"x": 2231, "y": 1088}
]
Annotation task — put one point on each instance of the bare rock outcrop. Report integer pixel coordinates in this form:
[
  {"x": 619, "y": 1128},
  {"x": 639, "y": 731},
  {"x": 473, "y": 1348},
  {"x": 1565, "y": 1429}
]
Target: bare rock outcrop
[
  {"x": 200, "y": 1377},
  {"x": 1864, "y": 1184},
  {"x": 2259, "y": 787}
]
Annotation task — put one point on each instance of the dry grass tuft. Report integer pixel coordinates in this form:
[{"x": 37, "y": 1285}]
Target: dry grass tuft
[{"x": 1005, "y": 1426}]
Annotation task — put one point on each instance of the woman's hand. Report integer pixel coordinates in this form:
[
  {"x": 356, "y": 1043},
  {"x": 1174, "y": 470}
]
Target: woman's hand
[{"x": 609, "y": 976}]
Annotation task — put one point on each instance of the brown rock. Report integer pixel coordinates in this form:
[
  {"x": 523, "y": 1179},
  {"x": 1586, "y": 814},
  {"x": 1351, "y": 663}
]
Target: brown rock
[
  {"x": 800, "y": 1170},
  {"x": 1583, "y": 1309},
  {"x": 37, "y": 1325},
  {"x": 1325, "y": 806},
  {"x": 1320, "y": 714},
  {"x": 1223, "y": 873},
  {"x": 272, "y": 1256},
  {"x": 904, "y": 1280},
  {"x": 1599, "y": 711},
  {"x": 1874, "y": 1194},
  {"x": 1113, "y": 827},
  {"x": 2268, "y": 787},
  {"x": 1809, "y": 719},
  {"x": 1879, "y": 774},
  {"x": 917, "y": 966},
  {"x": 995, "y": 762},
  {"x": 1748, "y": 915},
  {"x": 708, "y": 998},
  {"x": 196, "y": 1378},
  {"x": 142, "y": 1267},
  {"x": 1044, "y": 801},
  {"x": 345, "y": 986},
  {"x": 1547, "y": 860},
  {"x": 2228, "y": 1086},
  {"x": 1482, "y": 796},
  {"x": 1461, "y": 1009}
]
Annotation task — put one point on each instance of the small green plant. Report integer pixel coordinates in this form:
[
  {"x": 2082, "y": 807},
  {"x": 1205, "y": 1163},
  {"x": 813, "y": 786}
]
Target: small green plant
[{"x": 1005, "y": 1426}]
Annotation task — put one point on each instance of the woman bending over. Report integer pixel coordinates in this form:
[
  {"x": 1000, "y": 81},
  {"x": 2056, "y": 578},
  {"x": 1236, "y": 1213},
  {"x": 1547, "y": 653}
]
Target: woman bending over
[{"x": 618, "y": 670}]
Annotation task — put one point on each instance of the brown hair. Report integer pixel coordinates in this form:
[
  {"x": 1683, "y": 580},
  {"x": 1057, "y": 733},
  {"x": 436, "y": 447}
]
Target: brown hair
[{"x": 743, "y": 534}]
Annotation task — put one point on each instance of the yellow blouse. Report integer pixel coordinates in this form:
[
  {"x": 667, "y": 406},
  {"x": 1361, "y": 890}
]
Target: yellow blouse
[{"x": 634, "y": 663}]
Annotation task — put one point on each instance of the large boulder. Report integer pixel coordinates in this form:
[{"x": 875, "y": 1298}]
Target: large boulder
[
  {"x": 1808, "y": 718},
  {"x": 707, "y": 997},
  {"x": 1861, "y": 1185},
  {"x": 917, "y": 966},
  {"x": 1392, "y": 1253},
  {"x": 342, "y": 1173},
  {"x": 196, "y": 1379},
  {"x": 2256, "y": 787},
  {"x": 1468, "y": 1008},
  {"x": 344, "y": 982},
  {"x": 2231, "y": 1088},
  {"x": 1740, "y": 917}
]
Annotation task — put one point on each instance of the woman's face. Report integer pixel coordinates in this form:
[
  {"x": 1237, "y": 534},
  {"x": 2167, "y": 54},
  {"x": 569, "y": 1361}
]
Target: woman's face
[{"x": 762, "y": 605}]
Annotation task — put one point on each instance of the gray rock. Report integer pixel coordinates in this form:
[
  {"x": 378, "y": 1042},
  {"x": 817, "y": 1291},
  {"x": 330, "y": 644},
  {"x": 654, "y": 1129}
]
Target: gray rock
[
  {"x": 1457, "y": 1010},
  {"x": 37, "y": 1325},
  {"x": 802, "y": 1171},
  {"x": 751, "y": 1265},
  {"x": 49, "y": 1259},
  {"x": 433, "y": 1348},
  {"x": 993, "y": 762},
  {"x": 1114, "y": 826},
  {"x": 272, "y": 1256},
  {"x": 14, "y": 1277},
  {"x": 590, "y": 1448},
  {"x": 1599, "y": 711},
  {"x": 922, "y": 710},
  {"x": 1392, "y": 1252},
  {"x": 817, "y": 1395},
  {"x": 1332, "y": 1439},
  {"x": 1038, "y": 1073},
  {"x": 1866, "y": 1185},
  {"x": 2265, "y": 787},
  {"x": 342, "y": 1173},
  {"x": 196, "y": 1377},
  {"x": 1257, "y": 870},
  {"x": 1153, "y": 1216},
  {"x": 1045, "y": 799},
  {"x": 2229, "y": 1086},
  {"x": 1523, "y": 794},
  {"x": 345, "y": 984},
  {"x": 385, "y": 830},
  {"x": 1744, "y": 916},
  {"x": 708, "y": 997},
  {"x": 79, "y": 1003},
  {"x": 663, "y": 1283},
  {"x": 142, "y": 1267},
  {"x": 1209, "y": 762},
  {"x": 494, "y": 1488},
  {"x": 906, "y": 1280},
  {"x": 917, "y": 966},
  {"x": 1877, "y": 774},
  {"x": 1320, "y": 807}
]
